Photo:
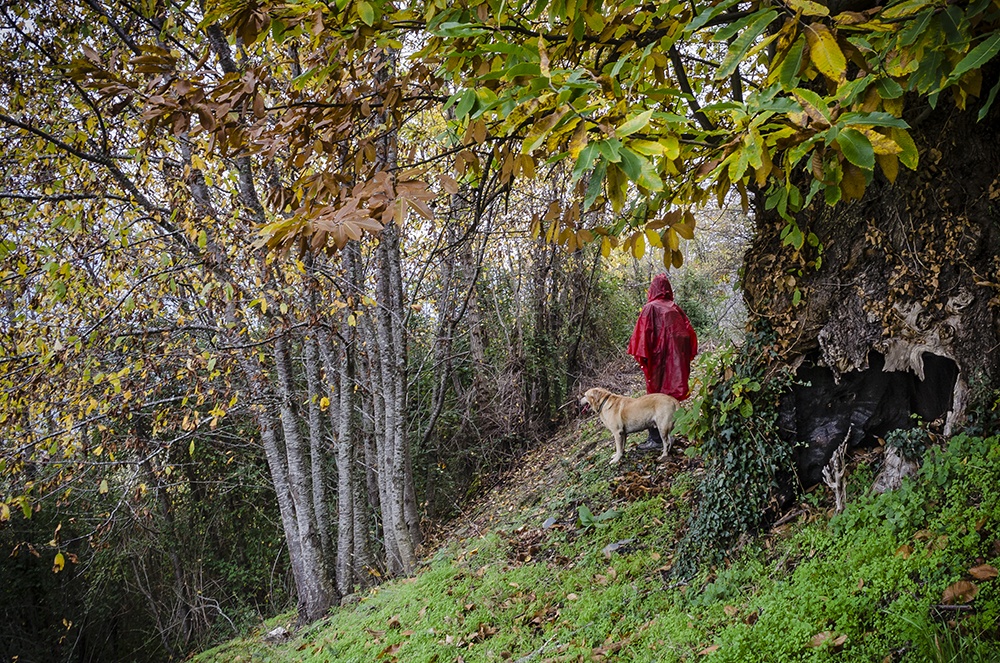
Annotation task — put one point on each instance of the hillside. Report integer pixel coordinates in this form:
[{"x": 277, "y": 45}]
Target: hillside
[{"x": 569, "y": 559}]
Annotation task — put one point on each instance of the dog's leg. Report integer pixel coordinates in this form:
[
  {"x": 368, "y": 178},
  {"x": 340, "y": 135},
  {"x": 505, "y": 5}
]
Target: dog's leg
[
  {"x": 668, "y": 441},
  {"x": 619, "y": 446}
]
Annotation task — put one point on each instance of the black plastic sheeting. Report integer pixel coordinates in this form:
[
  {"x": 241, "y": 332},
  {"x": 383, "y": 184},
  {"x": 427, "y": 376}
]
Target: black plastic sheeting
[{"x": 819, "y": 410}]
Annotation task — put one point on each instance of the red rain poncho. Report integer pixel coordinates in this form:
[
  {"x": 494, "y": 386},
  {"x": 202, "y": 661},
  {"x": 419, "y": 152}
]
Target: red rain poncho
[{"x": 664, "y": 342}]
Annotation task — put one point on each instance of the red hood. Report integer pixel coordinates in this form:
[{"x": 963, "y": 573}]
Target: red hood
[{"x": 660, "y": 288}]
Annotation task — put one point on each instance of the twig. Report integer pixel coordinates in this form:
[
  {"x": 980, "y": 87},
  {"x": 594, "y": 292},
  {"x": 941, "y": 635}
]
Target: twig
[{"x": 788, "y": 517}]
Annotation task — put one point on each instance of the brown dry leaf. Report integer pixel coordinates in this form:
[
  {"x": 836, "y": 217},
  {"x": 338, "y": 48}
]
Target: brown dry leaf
[
  {"x": 730, "y": 610},
  {"x": 904, "y": 551},
  {"x": 962, "y": 591},
  {"x": 394, "y": 622},
  {"x": 708, "y": 650},
  {"x": 390, "y": 651},
  {"x": 820, "y": 639},
  {"x": 983, "y": 572}
]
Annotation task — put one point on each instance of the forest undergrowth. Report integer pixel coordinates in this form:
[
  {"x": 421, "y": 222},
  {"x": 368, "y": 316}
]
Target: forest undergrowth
[{"x": 570, "y": 559}]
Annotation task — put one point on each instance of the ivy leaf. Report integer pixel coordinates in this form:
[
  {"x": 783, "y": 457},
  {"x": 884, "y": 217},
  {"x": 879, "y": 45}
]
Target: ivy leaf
[{"x": 856, "y": 148}]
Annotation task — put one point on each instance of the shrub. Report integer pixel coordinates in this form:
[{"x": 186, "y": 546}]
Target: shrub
[{"x": 734, "y": 420}]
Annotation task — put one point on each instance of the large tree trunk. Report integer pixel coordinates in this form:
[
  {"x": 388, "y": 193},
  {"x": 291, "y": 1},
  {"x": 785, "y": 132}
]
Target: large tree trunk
[{"x": 901, "y": 317}]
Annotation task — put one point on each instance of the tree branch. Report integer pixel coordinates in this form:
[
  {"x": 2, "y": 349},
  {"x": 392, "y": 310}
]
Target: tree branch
[{"x": 685, "y": 85}]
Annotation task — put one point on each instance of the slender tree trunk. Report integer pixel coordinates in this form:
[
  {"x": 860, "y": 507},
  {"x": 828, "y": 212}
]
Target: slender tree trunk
[
  {"x": 383, "y": 445},
  {"x": 317, "y": 390},
  {"x": 316, "y": 593}
]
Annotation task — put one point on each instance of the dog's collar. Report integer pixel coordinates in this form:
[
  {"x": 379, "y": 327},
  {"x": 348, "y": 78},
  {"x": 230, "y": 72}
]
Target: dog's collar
[{"x": 603, "y": 402}]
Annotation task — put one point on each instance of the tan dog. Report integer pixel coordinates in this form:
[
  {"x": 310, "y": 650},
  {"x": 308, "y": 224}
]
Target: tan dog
[{"x": 623, "y": 415}]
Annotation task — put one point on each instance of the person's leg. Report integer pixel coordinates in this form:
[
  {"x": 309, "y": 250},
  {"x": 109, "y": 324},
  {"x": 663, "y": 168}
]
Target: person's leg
[{"x": 654, "y": 442}]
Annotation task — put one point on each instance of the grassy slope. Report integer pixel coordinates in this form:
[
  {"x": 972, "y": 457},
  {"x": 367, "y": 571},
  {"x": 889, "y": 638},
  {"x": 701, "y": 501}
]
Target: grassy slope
[{"x": 857, "y": 587}]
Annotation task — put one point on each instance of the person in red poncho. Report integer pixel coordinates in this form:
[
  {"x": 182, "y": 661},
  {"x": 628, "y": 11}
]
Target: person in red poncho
[{"x": 664, "y": 343}]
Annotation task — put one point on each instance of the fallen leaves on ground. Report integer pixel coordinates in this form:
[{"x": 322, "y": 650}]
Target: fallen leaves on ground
[
  {"x": 983, "y": 572},
  {"x": 962, "y": 591},
  {"x": 835, "y": 641}
]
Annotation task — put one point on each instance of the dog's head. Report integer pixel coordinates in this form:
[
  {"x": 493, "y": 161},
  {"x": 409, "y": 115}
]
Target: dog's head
[{"x": 588, "y": 400}]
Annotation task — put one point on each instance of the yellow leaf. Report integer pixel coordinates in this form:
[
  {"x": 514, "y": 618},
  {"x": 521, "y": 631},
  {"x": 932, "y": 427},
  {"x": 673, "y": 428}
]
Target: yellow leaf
[
  {"x": 671, "y": 146},
  {"x": 4, "y": 512},
  {"x": 881, "y": 143},
  {"x": 324, "y": 402},
  {"x": 103, "y": 489},
  {"x": 808, "y": 8},
  {"x": 654, "y": 238},
  {"x": 825, "y": 53},
  {"x": 852, "y": 184},
  {"x": 606, "y": 247},
  {"x": 889, "y": 163},
  {"x": 58, "y": 563},
  {"x": 352, "y": 321},
  {"x": 639, "y": 247},
  {"x": 578, "y": 141},
  {"x": 673, "y": 240}
]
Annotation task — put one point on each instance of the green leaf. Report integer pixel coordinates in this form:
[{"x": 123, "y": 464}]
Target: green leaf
[
  {"x": 366, "y": 12},
  {"x": 634, "y": 124},
  {"x": 595, "y": 184},
  {"x": 977, "y": 57},
  {"x": 727, "y": 32},
  {"x": 876, "y": 119},
  {"x": 742, "y": 44},
  {"x": 585, "y": 161},
  {"x": 709, "y": 14},
  {"x": 904, "y": 9},
  {"x": 607, "y": 515},
  {"x": 465, "y": 103},
  {"x": 804, "y": 97},
  {"x": 631, "y": 164},
  {"x": 889, "y": 89},
  {"x": 610, "y": 149},
  {"x": 989, "y": 102},
  {"x": 856, "y": 148},
  {"x": 788, "y": 72}
]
